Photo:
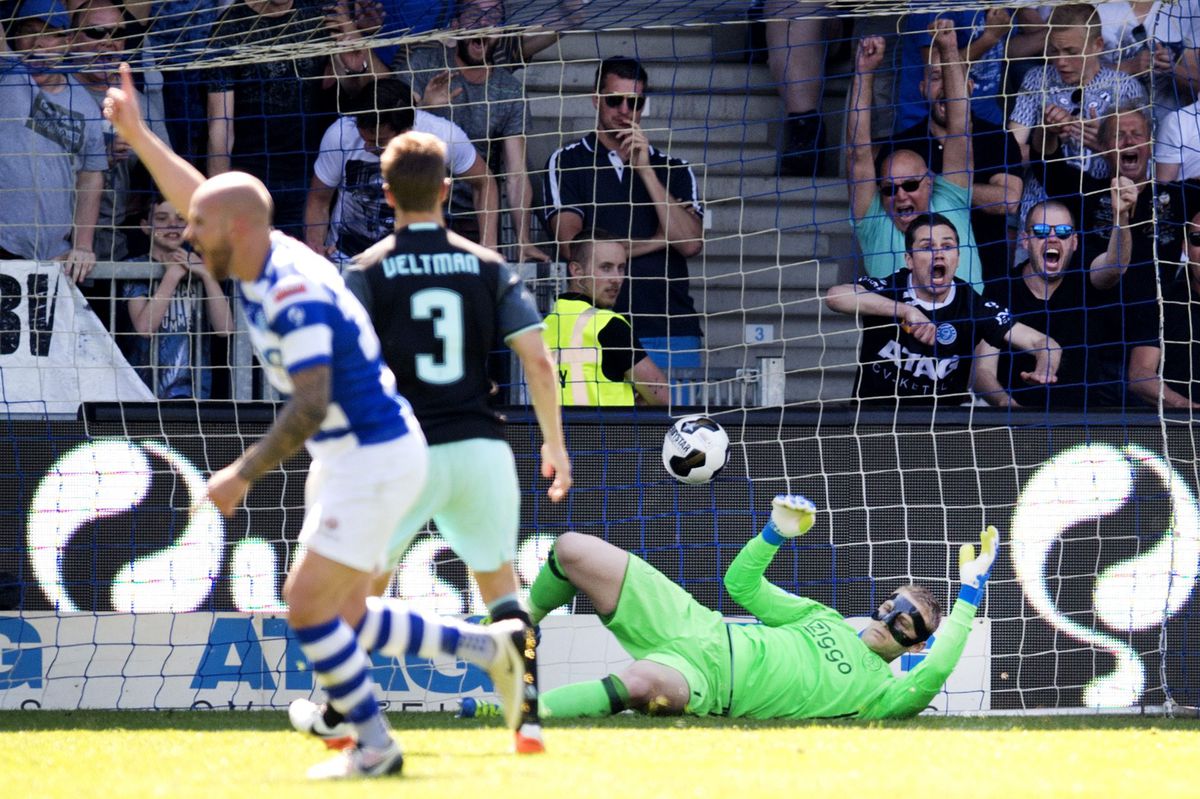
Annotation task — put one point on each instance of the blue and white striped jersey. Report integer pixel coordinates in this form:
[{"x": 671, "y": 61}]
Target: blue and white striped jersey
[{"x": 301, "y": 315}]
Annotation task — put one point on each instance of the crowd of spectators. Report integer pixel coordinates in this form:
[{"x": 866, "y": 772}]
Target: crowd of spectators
[
  {"x": 1069, "y": 216},
  {"x": 1056, "y": 145}
]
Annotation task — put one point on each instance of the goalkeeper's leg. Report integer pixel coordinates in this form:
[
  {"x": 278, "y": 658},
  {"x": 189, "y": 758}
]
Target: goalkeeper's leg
[
  {"x": 576, "y": 563},
  {"x": 646, "y": 686},
  {"x": 551, "y": 588}
]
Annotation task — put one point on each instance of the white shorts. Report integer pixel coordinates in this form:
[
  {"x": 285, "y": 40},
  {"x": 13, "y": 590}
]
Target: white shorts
[{"x": 355, "y": 498}]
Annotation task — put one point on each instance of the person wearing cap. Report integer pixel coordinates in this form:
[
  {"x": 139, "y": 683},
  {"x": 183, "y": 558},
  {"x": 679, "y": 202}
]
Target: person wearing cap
[
  {"x": 52, "y": 151},
  {"x": 804, "y": 660}
]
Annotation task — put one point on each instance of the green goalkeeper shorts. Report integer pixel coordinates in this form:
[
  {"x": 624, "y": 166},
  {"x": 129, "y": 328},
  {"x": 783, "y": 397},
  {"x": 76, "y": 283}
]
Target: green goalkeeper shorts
[
  {"x": 656, "y": 620},
  {"x": 471, "y": 494}
]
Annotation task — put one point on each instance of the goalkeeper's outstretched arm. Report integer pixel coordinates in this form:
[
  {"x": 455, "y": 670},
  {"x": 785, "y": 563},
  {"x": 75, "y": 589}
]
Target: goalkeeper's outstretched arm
[
  {"x": 791, "y": 515},
  {"x": 912, "y": 693}
]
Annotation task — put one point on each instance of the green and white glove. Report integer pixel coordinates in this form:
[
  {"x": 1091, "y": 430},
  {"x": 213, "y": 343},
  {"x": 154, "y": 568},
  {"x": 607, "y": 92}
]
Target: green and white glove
[
  {"x": 791, "y": 515},
  {"x": 974, "y": 571}
]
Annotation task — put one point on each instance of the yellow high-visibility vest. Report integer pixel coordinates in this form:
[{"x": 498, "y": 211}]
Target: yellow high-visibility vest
[{"x": 573, "y": 334}]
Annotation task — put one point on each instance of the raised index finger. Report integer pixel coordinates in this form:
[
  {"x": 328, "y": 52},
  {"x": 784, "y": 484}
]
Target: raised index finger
[{"x": 126, "y": 79}]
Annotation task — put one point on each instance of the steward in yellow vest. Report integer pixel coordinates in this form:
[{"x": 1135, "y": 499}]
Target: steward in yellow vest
[
  {"x": 593, "y": 347},
  {"x": 600, "y": 361}
]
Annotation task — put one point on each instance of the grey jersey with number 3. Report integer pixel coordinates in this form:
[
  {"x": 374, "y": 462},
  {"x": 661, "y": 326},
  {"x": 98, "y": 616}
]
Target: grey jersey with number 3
[{"x": 440, "y": 305}]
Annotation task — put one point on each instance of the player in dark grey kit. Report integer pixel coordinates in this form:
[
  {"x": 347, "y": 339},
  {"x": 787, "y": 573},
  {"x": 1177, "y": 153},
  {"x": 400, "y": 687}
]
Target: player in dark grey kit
[{"x": 441, "y": 304}]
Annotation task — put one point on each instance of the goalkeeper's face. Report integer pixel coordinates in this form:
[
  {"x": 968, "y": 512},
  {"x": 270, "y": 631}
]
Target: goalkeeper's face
[{"x": 900, "y": 624}]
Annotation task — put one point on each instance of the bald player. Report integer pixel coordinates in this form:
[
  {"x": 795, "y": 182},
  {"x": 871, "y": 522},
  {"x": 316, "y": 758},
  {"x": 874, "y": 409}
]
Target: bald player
[{"x": 369, "y": 457}]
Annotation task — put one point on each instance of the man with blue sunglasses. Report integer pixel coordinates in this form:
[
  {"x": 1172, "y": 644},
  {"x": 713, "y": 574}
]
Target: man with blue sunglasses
[{"x": 1048, "y": 295}]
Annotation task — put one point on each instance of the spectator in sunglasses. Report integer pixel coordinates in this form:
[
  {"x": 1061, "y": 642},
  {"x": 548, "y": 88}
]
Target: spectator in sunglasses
[
  {"x": 101, "y": 42},
  {"x": 884, "y": 202},
  {"x": 1178, "y": 383},
  {"x": 1048, "y": 293},
  {"x": 615, "y": 179}
]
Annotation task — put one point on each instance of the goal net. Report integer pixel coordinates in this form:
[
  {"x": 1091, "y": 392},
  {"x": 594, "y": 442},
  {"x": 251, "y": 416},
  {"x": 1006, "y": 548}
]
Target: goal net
[{"x": 792, "y": 161}]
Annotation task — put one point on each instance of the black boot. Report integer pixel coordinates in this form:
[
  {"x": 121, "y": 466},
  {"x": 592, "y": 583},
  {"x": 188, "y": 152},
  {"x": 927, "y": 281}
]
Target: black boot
[{"x": 803, "y": 143}]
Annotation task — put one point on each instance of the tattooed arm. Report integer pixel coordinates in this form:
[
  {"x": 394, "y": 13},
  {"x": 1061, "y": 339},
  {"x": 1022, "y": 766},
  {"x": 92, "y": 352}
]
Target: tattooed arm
[{"x": 299, "y": 420}]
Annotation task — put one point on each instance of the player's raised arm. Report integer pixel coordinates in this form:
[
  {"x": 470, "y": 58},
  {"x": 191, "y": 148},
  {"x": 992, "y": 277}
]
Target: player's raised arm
[
  {"x": 791, "y": 515},
  {"x": 177, "y": 179},
  {"x": 912, "y": 693}
]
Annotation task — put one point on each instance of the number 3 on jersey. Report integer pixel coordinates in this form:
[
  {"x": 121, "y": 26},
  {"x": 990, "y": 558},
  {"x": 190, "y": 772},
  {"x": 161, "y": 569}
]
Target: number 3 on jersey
[{"x": 444, "y": 307}]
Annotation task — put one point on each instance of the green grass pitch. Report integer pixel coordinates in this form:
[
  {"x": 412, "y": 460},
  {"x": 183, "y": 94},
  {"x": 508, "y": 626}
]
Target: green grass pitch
[{"x": 216, "y": 754}]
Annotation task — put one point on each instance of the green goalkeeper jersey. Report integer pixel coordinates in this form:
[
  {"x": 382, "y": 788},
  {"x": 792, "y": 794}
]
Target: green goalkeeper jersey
[{"x": 805, "y": 661}]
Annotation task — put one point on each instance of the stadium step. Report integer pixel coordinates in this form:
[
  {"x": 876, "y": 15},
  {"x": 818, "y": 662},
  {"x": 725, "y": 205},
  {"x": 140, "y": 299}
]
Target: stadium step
[{"x": 645, "y": 45}]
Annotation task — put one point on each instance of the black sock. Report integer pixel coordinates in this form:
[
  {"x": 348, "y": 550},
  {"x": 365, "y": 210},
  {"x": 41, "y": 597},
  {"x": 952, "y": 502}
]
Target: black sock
[
  {"x": 330, "y": 716},
  {"x": 526, "y": 641},
  {"x": 510, "y": 609}
]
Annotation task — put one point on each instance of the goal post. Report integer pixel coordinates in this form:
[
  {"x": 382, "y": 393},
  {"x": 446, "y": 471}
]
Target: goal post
[{"x": 118, "y": 590}]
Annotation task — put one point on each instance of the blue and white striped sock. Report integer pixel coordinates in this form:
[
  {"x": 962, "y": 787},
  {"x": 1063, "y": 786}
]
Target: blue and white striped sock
[
  {"x": 393, "y": 628},
  {"x": 342, "y": 668}
]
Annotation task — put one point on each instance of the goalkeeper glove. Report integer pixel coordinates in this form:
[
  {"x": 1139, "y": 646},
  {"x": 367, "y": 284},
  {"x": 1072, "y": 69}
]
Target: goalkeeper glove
[
  {"x": 974, "y": 571},
  {"x": 791, "y": 515}
]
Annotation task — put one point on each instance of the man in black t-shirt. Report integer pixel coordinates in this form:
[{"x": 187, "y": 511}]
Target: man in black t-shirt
[
  {"x": 615, "y": 179},
  {"x": 995, "y": 175},
  {"x": 928, "y": 322},
  {"x": 1048, "y": 293},
  {"x": 440, "y": 303},
  {"x": 1179, "y": 384}
]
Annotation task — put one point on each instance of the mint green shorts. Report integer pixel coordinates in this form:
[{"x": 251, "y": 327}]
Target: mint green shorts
[
  {"x": 656, "y": 620},
  {"x": 471, "y": 494}
]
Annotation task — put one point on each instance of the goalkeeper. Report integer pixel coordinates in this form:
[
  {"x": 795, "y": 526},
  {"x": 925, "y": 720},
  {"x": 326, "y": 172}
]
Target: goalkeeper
[{"x": 803, "y": 661}]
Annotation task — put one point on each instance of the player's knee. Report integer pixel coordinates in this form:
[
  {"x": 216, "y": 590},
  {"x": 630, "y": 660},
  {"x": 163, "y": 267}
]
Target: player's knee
[
  {"x": 570, "y": 550},
  {"x": 640, "y": 687},
  {"x": 305, "y": 608},
  {"x": 302, "y": 612},
  {"x": 652, "y": 695}
]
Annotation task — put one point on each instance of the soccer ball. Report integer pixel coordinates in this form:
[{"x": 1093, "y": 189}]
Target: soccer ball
[{"x": 695, "y": 449}]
